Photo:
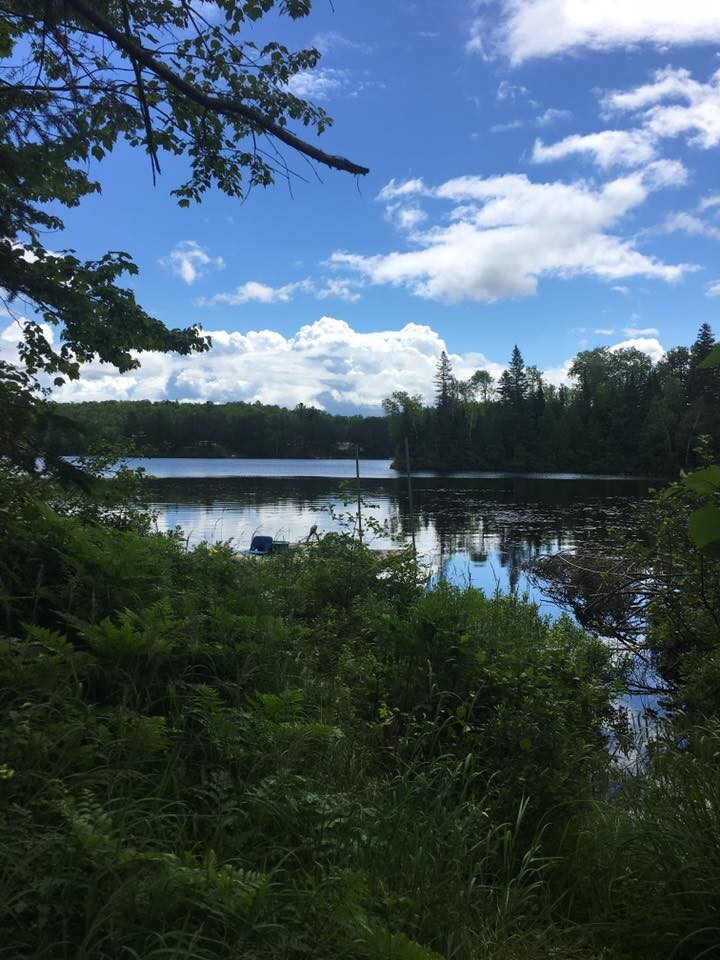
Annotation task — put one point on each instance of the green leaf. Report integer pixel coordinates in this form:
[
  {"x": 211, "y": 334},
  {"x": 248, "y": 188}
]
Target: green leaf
[
  {"x": 711, "y": 360},
  {"x": 704, "y": 481},
  {"x": 704, "y": 528}
]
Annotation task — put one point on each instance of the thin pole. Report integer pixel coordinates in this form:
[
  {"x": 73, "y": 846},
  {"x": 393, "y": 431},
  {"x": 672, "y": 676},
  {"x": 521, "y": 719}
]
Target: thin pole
[
  {"x": 359, "y": 498},
  {"x": 410, "y": 495}
]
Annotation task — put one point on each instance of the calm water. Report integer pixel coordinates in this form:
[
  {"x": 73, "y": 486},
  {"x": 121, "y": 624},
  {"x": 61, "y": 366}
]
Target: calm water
[{"x": 472, "y": 528}]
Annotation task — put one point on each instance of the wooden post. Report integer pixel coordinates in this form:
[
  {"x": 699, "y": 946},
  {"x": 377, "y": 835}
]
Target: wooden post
[
  {"x": 359, "y": 497},
  {"x": 410, "y": 494}
]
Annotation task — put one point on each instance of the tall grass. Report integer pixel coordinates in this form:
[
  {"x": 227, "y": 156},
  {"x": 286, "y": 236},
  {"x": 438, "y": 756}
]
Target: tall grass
[{"x": 204, "y": 758}]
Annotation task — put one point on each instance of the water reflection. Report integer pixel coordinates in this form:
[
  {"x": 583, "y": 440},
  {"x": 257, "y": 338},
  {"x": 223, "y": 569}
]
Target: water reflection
[{"x": 478, "y": 530}]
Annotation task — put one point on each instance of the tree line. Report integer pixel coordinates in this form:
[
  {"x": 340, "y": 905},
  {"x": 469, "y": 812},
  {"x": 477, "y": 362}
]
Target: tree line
[
  {"x": 623, "y": 413},
  {"x": 172, "y": 429}
]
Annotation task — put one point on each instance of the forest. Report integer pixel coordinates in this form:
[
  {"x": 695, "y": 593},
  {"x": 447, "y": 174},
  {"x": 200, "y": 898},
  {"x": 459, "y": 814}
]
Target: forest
[
  {"x": 170, "y": 429},
  {"x": 622, "y": 414}
]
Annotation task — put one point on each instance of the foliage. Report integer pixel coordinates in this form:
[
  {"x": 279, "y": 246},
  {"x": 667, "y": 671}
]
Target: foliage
[
  {"x": 643, "y": 872},
  {"x": 656, "y": 591},
  {"x": 79, "y": 77},
  {"x": 216, "y": 430},
  {"x": 210, "y": 756},
  {"x": 623, "y": 414}
]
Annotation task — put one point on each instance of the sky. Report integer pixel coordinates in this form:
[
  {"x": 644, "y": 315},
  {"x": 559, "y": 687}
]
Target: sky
[{"x": 543, "y": 173}]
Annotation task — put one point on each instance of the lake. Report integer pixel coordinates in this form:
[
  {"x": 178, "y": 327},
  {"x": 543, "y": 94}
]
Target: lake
[{"x": 472, "y": 528}]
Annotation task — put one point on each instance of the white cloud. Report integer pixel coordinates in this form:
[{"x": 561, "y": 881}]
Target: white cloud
[
  {"x": 330, "y": 40},
  {"x": 405, "y": 216},
  {"x": 604, "y": 332},
  {"x": 544, "y": 28},
  {"x": 712, "y": 289},
  {"x": 404, "y": 188},
  {"x": 621, "y": 289},
  {"x": 648, "y": 345},
  {"x": 690, "y": 224},
  {"x": 505, "y": 127},
  {"x": 318, "y": 84},
  {"x": 710, "y": 203},
  {"x": 506, "y": 232},
  {"x": 326, "y": 364},
  {"x": 560, "y": 375},
  {"x": 476, "y": 38},
  {"x": 693, "y": 108},
  {"x": 608, "y": 148},
  {"x": 672, "y": 105},
  {"x": 641, "y": 332},
  {"x": 254, "y": 292},
  {"x": 190, "y": 261},
  {"x": 339, "y": 289},
  {"x": 552, "y": 115},
  {"x": 510, "y": 91}
]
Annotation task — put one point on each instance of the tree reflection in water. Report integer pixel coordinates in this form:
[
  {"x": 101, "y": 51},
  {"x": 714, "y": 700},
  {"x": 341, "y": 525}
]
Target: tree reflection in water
[{"x": 477, "y": 529}]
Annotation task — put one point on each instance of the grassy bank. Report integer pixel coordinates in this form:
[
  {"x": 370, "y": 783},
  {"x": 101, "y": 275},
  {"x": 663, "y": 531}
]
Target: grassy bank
[{"x": 315, "y": 757}]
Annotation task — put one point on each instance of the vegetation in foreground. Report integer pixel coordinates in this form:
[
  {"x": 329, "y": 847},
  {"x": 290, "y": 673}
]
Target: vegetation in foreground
[{"x": 316, "y": 756}]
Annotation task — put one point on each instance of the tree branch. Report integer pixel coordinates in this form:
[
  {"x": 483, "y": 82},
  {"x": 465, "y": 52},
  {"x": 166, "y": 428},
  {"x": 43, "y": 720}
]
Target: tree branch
[{"x": 222, "y": 105}]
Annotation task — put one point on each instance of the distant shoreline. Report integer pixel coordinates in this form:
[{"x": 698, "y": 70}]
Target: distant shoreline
[{"x": 387, "y": 464}]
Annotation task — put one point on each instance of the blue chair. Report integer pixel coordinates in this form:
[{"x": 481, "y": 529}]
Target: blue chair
[{"x": 260, "y": 546}]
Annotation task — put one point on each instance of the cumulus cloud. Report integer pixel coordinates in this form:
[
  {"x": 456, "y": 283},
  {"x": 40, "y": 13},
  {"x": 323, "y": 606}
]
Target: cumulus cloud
[
  {"x": 546, "y": 28},
  {"x": 190, "y": 261},
  {"x": 604, "y": 332},
  {"x": 648, "y": 345},
  {"x": 712, "y": 289},
  {"x": 325, "y": 364},
  {"x": 503, "y": 233},
  {"x": 651, "y": 346},
  {"x": 608, "y": 148}
]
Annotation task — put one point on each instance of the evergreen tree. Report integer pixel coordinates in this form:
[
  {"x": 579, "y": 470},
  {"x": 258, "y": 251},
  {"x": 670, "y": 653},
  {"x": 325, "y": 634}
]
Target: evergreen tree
[
  {"x": 444, "y": 382},
  {"x": 701, "y": 382},
  {"x": 514, "y": 386}
]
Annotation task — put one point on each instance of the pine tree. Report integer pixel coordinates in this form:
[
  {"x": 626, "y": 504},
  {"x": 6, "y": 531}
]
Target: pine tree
[
  {"x": 514, "y": 381},
  {"x": 443, "y": 382},
  {"x": 701, "y": 383}
]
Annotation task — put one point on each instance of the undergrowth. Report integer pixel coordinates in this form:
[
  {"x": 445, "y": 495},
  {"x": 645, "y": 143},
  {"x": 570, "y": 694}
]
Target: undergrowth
[{"x": 313, "y": 756}]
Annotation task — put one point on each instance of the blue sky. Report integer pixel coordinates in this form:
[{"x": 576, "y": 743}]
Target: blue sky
[{"x": 543, "y": 172}]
